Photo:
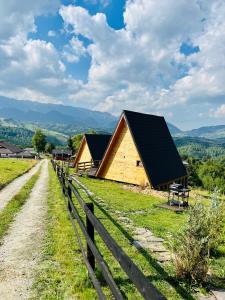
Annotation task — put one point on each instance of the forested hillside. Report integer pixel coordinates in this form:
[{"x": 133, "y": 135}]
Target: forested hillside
[
  {"x": 200, "y": 148},
  {"x": 22, "y": 136},
  {"x": 18, "y": 136}
]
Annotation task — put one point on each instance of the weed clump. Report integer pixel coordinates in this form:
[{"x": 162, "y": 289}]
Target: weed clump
[{"x": 198, "y": 239}]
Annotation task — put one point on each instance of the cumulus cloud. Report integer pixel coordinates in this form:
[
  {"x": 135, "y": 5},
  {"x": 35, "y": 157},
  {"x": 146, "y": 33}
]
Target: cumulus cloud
[
  {"x": 136, "y": 58},
  {"x": 18, "y": 18},
  {"x": 141, "y": 66},
  {"x": 74, "y": 50},
  {"x": 31, "y": 69}
]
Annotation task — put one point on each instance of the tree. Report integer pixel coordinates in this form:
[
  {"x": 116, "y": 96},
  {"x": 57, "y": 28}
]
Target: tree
[
  {"x": 39, "y": 141},
  {"x": 70, "y": 143},
  {"x": 49, "y": 147},
  {"x": 76, "y": 141},
  {"x": 92, "y": 131},
  {"x": 212, "y": 174}
]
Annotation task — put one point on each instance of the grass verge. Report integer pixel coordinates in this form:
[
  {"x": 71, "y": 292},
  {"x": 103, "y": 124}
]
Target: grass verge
[
  {"x": 13, "y": 168},
  {"x": 143, "y": 211},
  {"x": 7, "y": 215},
  {"x": 61, "y": 273}
]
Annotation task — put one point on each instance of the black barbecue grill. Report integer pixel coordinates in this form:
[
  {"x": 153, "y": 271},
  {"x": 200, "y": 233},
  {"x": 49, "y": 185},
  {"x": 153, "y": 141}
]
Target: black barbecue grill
[{"x": 178, "y": 195}]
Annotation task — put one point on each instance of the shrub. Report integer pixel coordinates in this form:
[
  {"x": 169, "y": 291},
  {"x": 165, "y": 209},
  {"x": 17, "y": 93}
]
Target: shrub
[
  {"x": 216, "y": 216},
  {"x": 201, "y": 234}
]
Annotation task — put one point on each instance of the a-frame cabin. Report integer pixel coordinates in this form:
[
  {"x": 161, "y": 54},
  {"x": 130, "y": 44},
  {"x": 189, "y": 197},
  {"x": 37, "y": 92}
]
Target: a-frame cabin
[
  {"x": 142, "y": 152},
  {"x": 91, "y": 151}
]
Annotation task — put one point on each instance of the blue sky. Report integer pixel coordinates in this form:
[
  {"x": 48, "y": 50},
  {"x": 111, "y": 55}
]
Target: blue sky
[
  {"x": 162, "y": 57},
  {"x": 54, "y": 22}
]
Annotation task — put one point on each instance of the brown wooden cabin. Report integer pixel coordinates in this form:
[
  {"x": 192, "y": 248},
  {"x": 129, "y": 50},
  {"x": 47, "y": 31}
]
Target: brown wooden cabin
[
  {"x": 142, "y": 152},
  {"x": 90, "y": 152}
]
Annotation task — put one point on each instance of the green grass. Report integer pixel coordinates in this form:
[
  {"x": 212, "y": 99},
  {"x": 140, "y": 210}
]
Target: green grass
[
  {"x": 7, "y": 215},
  {"x": 161, "y": 221},
  {"x": 12, "y": 168},
  {"x": 117, "y": 199},
  {"x": 61, "y": 273}
]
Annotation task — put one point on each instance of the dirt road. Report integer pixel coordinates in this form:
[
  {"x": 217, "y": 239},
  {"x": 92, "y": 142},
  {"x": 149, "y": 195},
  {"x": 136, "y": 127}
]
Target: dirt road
[{"x": 20, "y": 248}]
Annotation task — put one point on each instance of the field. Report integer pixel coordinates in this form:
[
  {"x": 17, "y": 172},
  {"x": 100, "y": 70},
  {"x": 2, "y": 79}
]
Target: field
[
  {"x": 12, "y": 168},
  {"x": 142, "y": 210}
]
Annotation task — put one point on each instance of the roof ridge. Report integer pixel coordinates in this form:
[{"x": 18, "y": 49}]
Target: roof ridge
[{"x": 141, "y": 113}]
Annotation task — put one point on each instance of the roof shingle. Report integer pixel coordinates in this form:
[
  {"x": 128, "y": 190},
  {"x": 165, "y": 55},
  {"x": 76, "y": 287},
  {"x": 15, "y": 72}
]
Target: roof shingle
[{"x": 97, "y": 144}]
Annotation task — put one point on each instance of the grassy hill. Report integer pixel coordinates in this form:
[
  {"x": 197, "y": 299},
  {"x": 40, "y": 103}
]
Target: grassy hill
[
  {"x": 21, "y": 134},
  {"x": 210, "y": 132}
]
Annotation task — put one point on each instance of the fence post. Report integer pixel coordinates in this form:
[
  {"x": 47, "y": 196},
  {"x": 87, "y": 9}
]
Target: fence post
[
  {"x": 91, "y": 232},
  {"x": 63, "y": 182},
  {"x": 69, "y": 192}
]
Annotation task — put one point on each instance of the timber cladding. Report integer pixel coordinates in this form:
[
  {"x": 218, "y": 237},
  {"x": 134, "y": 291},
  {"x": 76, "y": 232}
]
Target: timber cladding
[
  {"x": 141, "y": 151},
  {"x": 124, "y": 163},
  {"x": 83, "y": 154}
]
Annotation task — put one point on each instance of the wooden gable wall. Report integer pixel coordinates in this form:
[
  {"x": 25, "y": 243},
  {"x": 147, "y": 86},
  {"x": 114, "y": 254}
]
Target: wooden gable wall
[
  {"x": 84, "y": 154},
  {"x": 122, "y": 159}
]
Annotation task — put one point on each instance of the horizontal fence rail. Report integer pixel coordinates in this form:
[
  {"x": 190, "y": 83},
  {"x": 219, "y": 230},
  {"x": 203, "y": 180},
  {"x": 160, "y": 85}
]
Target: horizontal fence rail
[
  {"x": 141, "y": 282},
  {"x": 86, "y": 165}
]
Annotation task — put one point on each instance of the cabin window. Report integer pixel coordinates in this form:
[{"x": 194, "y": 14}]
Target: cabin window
[{"x": 139, "y": 163}]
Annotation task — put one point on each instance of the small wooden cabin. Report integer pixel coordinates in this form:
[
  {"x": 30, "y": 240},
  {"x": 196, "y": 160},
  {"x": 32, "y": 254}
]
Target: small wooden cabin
[
  {"x": 61, "y": 154},
  {"x": 142, "y": 152},
  {"x": 91, "y": 151}
]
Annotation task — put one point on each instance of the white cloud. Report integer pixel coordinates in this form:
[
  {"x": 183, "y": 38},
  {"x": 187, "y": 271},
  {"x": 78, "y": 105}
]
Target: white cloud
[
  {"x": 17, "y": 18},
  {"x": 103, "y": 3},
  {"x": 74, "y": 50},
  {"x": 51, "y": 33},
  {"x": 135, "y": 55},
  {"x": 32, "y": 69},
  {"x": 219, "y": 112},
  {"x": 141, "y": 67}
]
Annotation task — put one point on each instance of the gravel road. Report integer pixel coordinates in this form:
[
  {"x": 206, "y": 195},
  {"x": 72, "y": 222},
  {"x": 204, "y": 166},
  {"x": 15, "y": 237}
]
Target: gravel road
[{"x": 20, "y": 248}]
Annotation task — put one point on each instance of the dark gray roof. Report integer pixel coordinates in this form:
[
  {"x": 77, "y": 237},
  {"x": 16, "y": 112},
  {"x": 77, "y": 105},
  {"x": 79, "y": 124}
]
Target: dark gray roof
[
  {"x": 10, "y": 147},
  {"x": 62, "y": 151},
  {"x": 156, "y": 147},
  {"x": 97, "y": 144}
]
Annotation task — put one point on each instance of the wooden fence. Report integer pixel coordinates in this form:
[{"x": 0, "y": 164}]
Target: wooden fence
[
  {"x": 93, "y": 255},
  {"x": 86, "y": 165}
]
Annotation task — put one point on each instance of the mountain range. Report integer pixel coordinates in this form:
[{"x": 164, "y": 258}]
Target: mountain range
[
  {"x": 19, "y": 119},
  {"x": 50, "y": 115}
]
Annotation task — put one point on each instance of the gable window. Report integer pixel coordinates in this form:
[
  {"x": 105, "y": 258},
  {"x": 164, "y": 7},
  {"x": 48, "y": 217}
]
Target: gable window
[{"x": 139, "y": 163}]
